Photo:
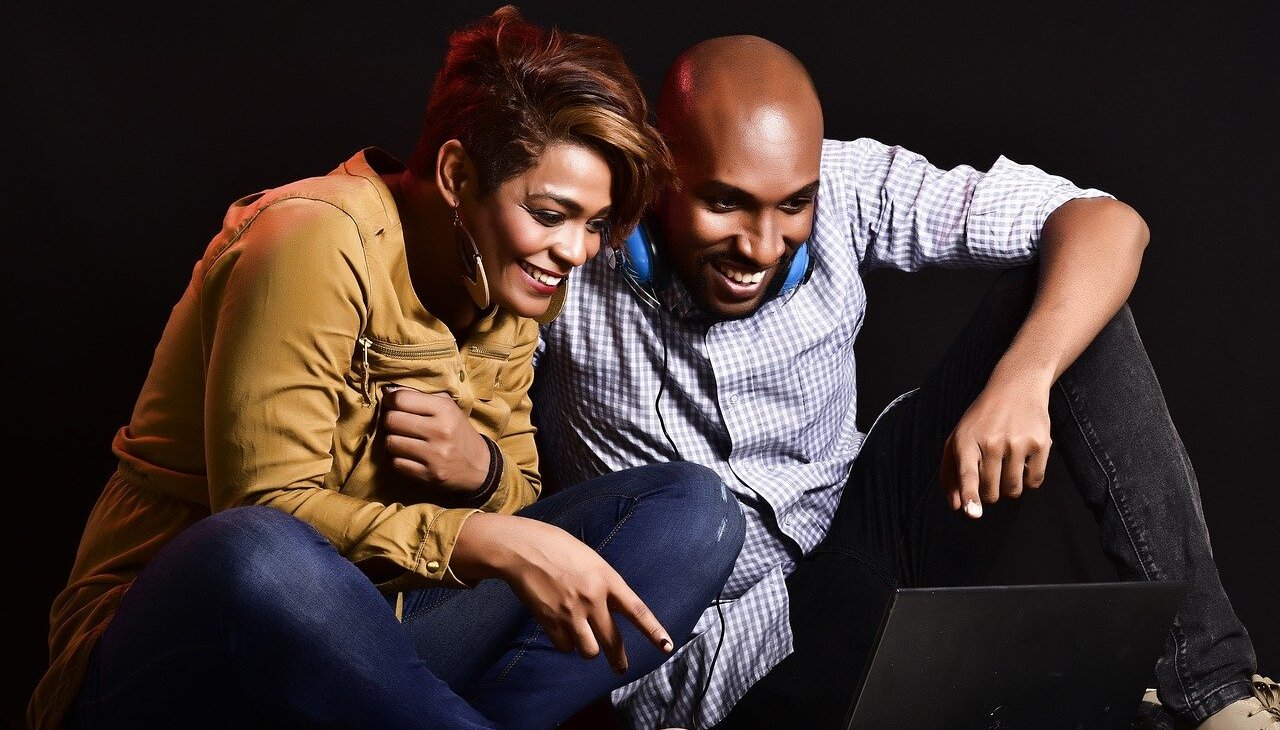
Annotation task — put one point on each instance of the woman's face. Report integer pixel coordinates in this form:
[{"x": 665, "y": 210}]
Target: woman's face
[{"x": 538, "y": 226}]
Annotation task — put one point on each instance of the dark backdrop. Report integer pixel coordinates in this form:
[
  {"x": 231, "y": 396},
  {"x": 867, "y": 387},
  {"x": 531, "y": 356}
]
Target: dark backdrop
[{"x": 129, "y": 131}]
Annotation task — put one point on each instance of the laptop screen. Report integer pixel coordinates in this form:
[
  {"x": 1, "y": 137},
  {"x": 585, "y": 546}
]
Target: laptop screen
[{"x": 1037, "y": 656}]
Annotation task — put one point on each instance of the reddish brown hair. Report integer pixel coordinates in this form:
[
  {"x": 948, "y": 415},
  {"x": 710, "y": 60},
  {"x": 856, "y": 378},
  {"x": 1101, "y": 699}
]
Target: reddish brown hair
[{"x": 509, "y": 88}]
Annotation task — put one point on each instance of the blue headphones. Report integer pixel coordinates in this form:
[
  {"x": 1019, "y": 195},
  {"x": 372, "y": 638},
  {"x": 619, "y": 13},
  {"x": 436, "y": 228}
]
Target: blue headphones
[{"x": 642, "y": 265}]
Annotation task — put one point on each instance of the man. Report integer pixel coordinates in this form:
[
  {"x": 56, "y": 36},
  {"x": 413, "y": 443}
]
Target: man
[{"x": 705, "y": 361}]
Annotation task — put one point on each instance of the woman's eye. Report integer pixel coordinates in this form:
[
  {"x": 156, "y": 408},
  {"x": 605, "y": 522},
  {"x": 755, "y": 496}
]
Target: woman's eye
[
  {"x": 597, "y": 225},
  {"x": 722, "y": 204},
  {"x": 547, "y": 217}
]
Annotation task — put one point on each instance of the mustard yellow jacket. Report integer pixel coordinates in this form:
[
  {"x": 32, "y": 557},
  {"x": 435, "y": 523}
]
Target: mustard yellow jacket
[{"x": 265, "y": 389}]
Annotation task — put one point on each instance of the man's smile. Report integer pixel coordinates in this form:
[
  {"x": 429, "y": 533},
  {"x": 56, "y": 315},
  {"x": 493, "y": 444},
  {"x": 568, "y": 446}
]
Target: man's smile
[{"x": 735, "y": 282}]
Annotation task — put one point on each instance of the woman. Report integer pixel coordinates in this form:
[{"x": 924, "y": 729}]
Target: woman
[{"x": 271, "y": 552}]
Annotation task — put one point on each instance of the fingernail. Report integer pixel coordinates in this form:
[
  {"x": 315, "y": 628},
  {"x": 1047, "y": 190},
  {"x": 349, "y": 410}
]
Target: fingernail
[
  {"x": 973, "y": 509},
  {"x": 620, "y": 669},
  {"x": 666, "y": 645}
]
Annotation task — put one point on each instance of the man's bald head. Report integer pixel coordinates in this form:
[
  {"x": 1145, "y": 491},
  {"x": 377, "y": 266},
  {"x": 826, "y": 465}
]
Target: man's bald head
[
  {"x": 741, "y": 84},
  {"x": 745, "y": 127}
]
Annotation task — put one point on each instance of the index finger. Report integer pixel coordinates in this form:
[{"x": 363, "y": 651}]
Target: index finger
[
  {"x": 948, "y": 473},
  {"x": 410, "y": 400},
  {"x": 625, "y": 601},
  {"x": 968, "y": 458}
]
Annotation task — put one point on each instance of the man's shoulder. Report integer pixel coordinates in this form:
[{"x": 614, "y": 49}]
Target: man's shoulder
[{"x": 840, "y": 155}]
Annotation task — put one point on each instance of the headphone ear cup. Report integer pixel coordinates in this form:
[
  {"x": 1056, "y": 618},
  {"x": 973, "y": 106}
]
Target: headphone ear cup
[
  {"x": 798, "y": 272},
  {"x": 641, "y": 259}
]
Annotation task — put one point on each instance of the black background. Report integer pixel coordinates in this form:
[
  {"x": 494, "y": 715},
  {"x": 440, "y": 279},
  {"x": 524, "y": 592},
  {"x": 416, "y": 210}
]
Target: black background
[{"x": 130, "y": 129}]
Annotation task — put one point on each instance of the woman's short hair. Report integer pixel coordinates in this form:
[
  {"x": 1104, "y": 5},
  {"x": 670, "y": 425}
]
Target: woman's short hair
[{"x": 510, "y": 88}]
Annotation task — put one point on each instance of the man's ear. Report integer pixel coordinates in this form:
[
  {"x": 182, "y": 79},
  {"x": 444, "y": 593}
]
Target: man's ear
[{"x": 455, "y": 175}]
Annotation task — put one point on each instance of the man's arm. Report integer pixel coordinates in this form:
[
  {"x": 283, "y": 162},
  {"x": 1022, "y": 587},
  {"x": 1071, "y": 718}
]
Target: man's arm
[{"x": 1090, "y": 253}]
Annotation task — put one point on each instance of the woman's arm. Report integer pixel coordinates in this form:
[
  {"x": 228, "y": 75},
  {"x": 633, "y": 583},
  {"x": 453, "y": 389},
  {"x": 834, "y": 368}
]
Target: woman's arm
[
  {"x": 432, "y": 440},
  {"x": 567, "y": 586},
  {"x": 282, "y": 306}
]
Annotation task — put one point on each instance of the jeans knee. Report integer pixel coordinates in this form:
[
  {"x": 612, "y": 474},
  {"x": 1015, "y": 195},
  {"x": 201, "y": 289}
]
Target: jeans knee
[
  {"x": 706, "y": 519},
  {"x": 249, "y": 551},
  {"x": 700, "y": 489},
  {"x": 254, "y": 533},
  {"x": 270, "y": 577},
  {"x": 1122, "y": 325}
]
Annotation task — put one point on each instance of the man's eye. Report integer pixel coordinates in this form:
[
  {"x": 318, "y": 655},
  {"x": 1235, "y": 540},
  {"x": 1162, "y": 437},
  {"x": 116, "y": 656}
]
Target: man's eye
[
  {"x": 547, "y": 217},
  {"x": 797, "y": 205}
]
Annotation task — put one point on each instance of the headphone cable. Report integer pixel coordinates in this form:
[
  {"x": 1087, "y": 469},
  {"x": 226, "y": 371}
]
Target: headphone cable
[
  {"x": 706, "y": 684},
  {"x": 662, "y": 382}
]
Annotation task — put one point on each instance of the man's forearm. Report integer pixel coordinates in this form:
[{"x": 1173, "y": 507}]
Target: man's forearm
[{"x": 1090, "y": 253}]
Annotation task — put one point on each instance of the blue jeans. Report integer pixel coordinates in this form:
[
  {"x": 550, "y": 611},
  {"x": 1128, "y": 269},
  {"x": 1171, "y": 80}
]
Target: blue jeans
[
  {"x": 250, "y": 618},
  {"x": 894, "y": 527}
]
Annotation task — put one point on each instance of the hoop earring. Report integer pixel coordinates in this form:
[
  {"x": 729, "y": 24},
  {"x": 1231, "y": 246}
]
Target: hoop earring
[{"x": 473, "y": 276}]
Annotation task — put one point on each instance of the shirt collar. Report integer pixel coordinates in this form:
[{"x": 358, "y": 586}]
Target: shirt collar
[
  {"x": 371, "y": 163},
  {"x": 677, "y": 299}
]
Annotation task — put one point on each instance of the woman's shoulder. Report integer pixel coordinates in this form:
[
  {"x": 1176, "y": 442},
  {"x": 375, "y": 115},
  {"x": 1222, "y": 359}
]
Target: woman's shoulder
[
  {"x": 311, "y": 234},
  {"x": 351, "y": 199}
]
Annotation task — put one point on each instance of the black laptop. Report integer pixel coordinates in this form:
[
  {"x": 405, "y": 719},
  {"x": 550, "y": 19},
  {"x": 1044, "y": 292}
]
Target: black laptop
[{"x": 1002, "y": 657}]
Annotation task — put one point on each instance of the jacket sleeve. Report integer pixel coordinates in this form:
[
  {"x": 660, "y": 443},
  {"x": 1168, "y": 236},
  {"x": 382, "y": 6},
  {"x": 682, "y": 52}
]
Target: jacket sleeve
[{"x": 282, "y": 306}]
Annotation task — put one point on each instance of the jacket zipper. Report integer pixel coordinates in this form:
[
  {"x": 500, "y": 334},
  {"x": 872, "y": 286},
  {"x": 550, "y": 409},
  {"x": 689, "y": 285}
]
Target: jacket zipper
[
  {"x": 365, "y": 344},
  {"x": 407, "y": 352},
  {"x": 490, "y": 352}
]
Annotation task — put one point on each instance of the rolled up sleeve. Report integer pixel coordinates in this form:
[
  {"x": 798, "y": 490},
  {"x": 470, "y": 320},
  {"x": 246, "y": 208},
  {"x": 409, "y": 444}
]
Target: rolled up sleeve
[{"x": 906, "y": 213}]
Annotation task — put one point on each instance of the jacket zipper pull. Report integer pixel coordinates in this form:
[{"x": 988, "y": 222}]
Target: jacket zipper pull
[{"x": 365, "y": 343}]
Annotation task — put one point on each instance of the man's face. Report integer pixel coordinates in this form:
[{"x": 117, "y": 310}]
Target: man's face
[{"x": 744, "y": 204}]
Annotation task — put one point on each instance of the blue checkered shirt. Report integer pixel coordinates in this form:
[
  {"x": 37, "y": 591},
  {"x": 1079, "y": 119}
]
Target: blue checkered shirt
[{"x": 770, "y": 401}]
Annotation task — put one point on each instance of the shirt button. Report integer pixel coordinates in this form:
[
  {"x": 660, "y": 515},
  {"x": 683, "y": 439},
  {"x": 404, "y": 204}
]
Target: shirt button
[
  {"x": 734, "y": 399},
  {"x": 433, "y": 566}
]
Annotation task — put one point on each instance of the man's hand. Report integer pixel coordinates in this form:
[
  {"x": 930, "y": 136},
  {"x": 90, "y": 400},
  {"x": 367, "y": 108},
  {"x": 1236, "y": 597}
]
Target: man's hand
[
  {"x": 1090, "y": 252},
  {"x": 999, "y": 447},
  {"x": 431, "y": 440},
  {"x": 570, "y": 590}
]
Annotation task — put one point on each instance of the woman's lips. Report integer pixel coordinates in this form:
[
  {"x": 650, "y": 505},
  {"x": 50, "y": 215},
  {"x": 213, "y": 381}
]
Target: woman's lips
[{"x": 540, "y": 280}]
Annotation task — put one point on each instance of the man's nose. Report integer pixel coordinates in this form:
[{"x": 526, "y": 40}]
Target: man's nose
[{"x": 763, "y": 243}]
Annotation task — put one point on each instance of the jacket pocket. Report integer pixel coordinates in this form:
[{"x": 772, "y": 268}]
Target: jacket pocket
[
  {"x": 484, "y": 367},
  {"x": 361, "y": 465},
  {"x": 428, "y": 367}
]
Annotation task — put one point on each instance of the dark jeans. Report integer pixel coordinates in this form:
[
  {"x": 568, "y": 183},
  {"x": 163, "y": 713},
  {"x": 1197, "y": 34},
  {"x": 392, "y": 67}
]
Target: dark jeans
[
  {"x": 251, "y": 619},
  {"x": 894, "y": 527}
]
